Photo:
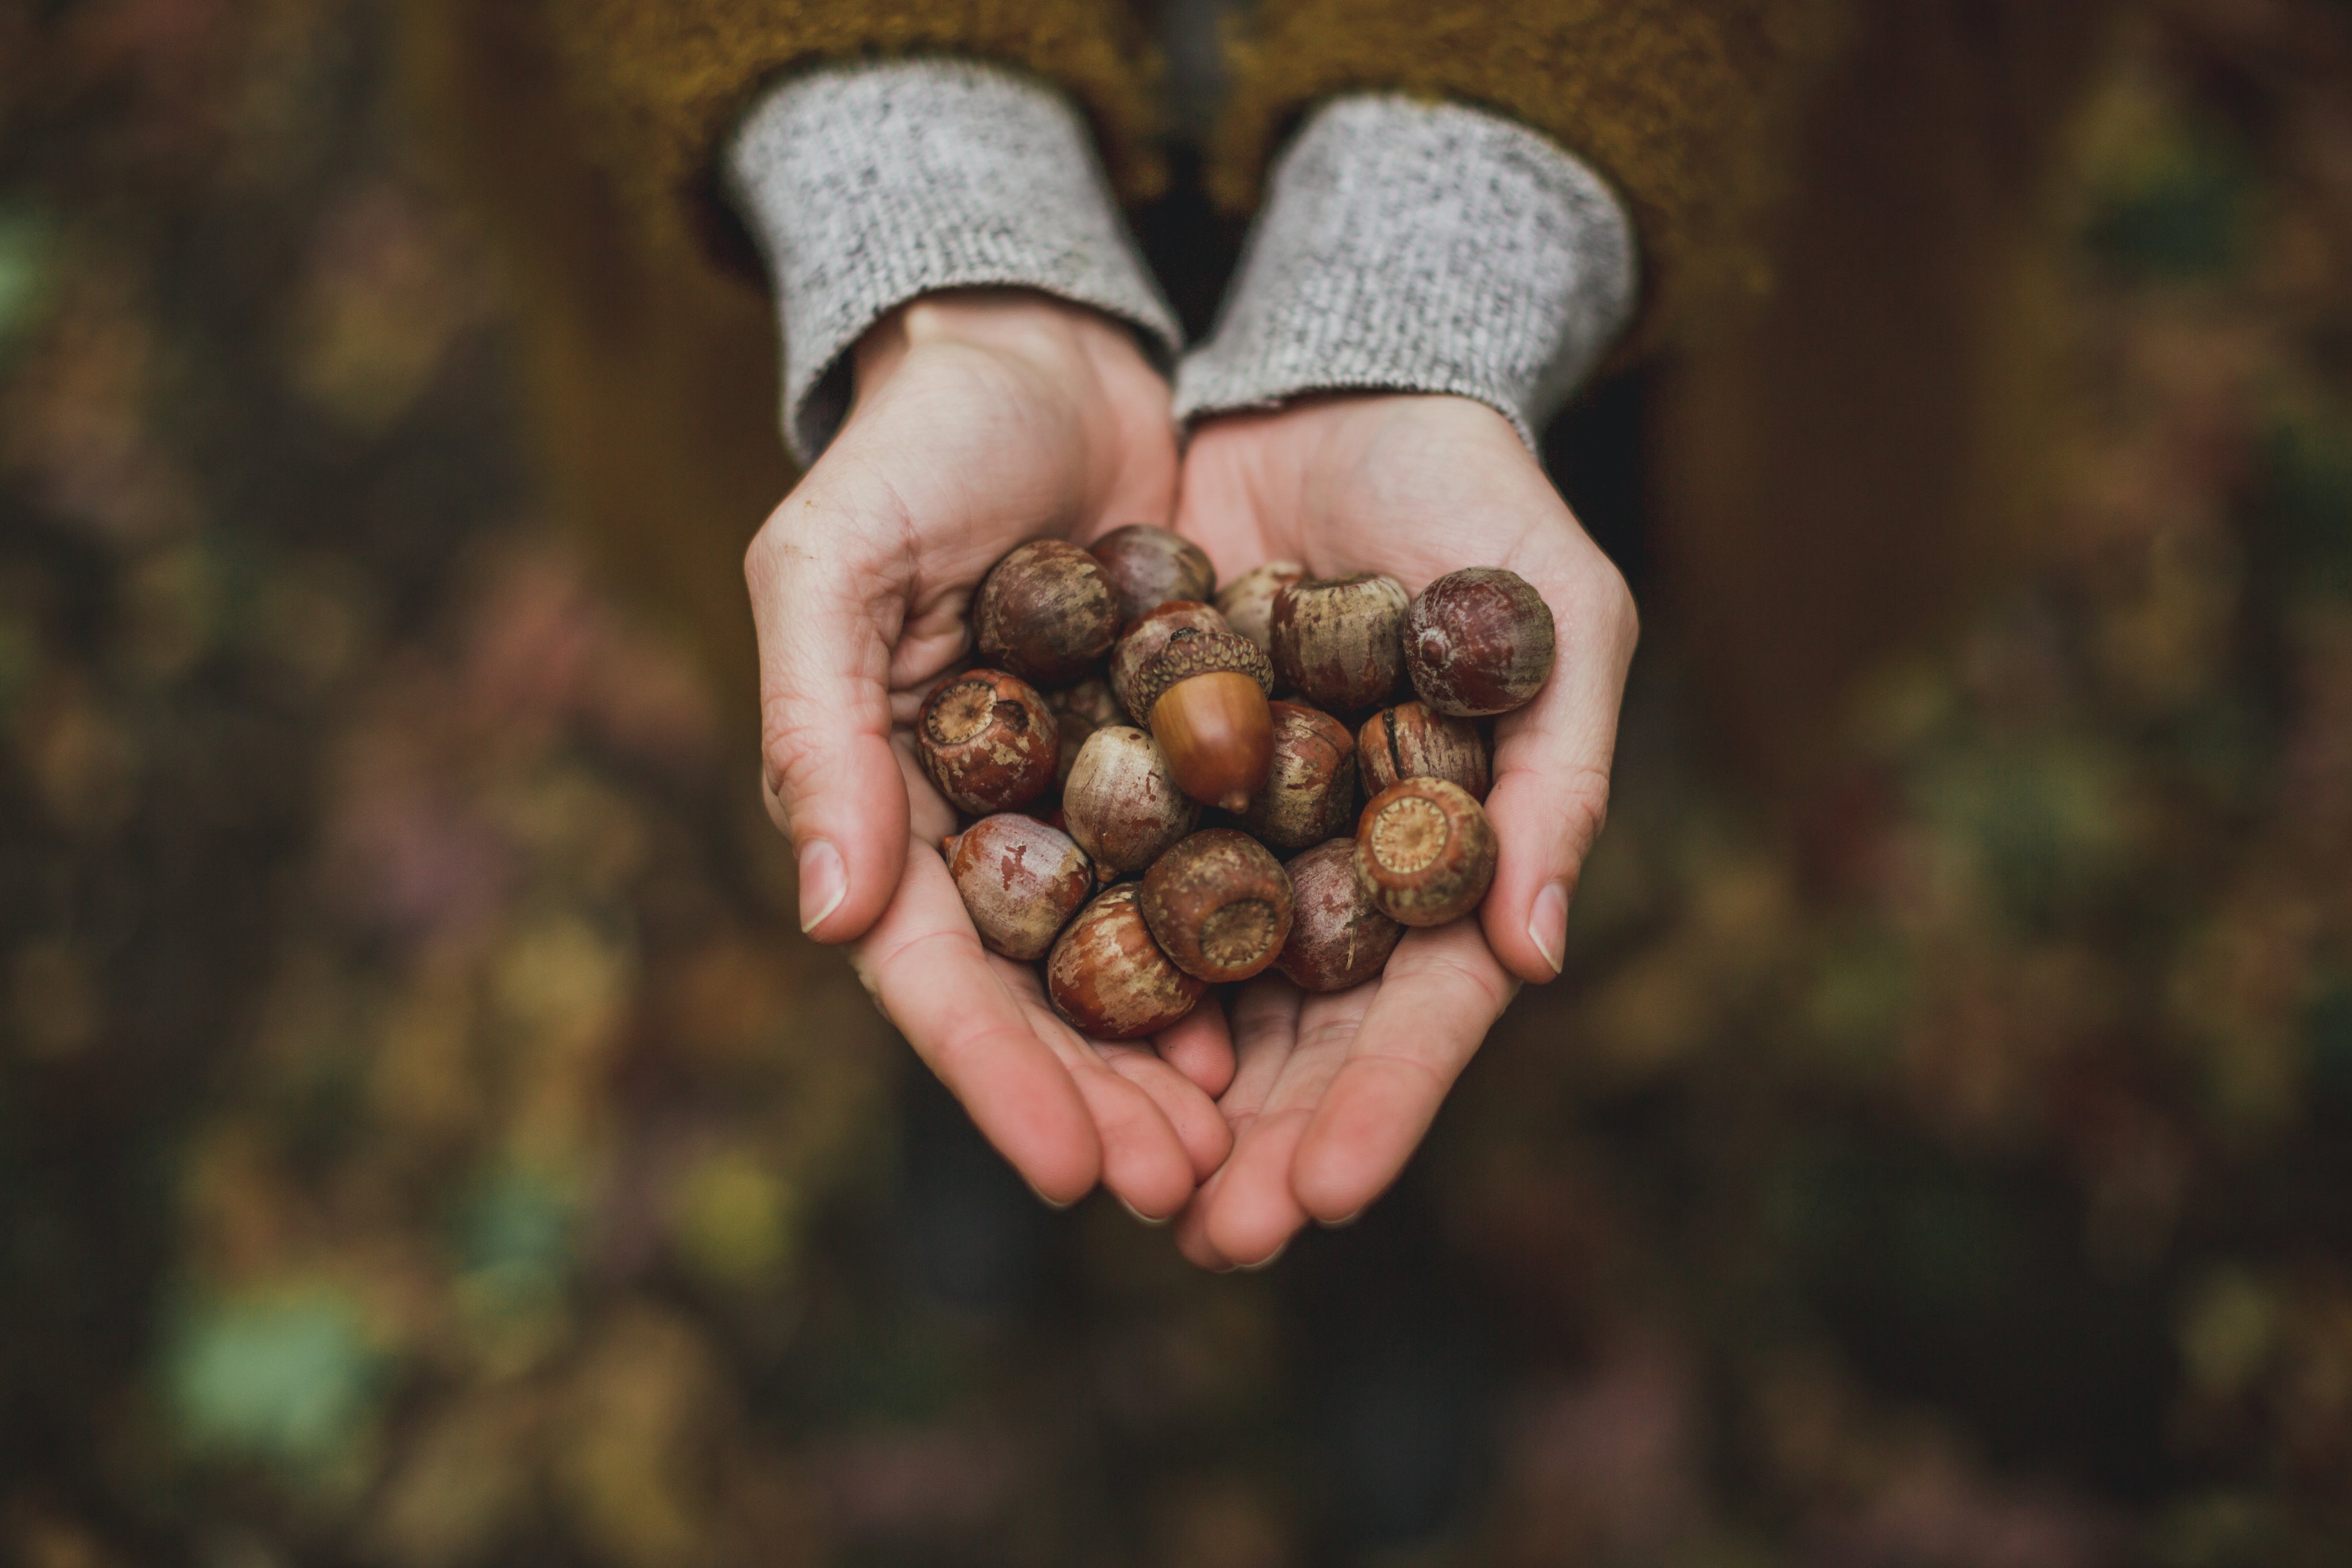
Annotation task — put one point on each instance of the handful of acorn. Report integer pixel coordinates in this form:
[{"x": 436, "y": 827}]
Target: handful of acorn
[{"x": 1118, "y": 705}]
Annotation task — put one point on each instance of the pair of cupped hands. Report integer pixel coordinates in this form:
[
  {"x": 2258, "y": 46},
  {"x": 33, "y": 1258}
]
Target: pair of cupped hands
[{"x": 981, "y": 419}]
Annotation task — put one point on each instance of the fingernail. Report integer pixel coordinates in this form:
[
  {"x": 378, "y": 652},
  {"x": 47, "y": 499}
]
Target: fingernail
[
  {"x": 1344, "y": 1221},
  {"x": 824, "y": 882},
  {"x": 1268, "y": 1262},
  {"x": 1548, "y": 926},
  {"x": 1141, "y": 1218},
  {"x": 1057, "y": 1208}
]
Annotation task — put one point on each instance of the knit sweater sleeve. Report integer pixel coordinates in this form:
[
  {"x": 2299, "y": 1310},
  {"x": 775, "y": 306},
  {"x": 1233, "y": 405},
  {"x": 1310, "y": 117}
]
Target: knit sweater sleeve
[
  {"x": 657, "y": 86},
  {"x": 1685, "y": 108}
]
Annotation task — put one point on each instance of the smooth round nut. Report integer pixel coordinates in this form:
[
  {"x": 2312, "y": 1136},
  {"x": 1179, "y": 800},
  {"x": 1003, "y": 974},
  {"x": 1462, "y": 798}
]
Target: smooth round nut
[
  {"x": 1412, "y": 741},
  {"x": 1425, "y": 851},
  {"x": 1122, "y": 803},
  {"x": 988, "y": 741},
  {"x": 1247, "y": 602},
  {"x": 1142, "y": 643},
  {"x": 1149, "y": 565},
  {"x": 1479, "y": 641},
  {"x": 1047, "y": 612},
  {"x": 1309, "y": 792},
  {"x": 1339, "y": 640},
  {"x": 1218, "y": 905},
  {"x": 1021, "y": 882},
  {"x": 1108, "y": 978},
  {"x": 1339, "y": 937}
]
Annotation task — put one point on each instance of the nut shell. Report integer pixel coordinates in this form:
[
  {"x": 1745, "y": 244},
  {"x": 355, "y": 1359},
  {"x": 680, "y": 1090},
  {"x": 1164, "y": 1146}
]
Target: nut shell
[
  {"x": 1341, "y": 639},
  {"x": 1021, "y": 882},
  {"x": 1247, "y": 602},
  {"x": 1425, "y": 851},
  {"x": 1188, "y": 652},
  {"x": 1339, "y": 937},
  {"x": 1218, "y": 905},
  {"x": 1149, "y": 565},
  {"x": 988, "y": 741},
  {"x": 1144, "y": 640},
  {"x": 1046, "y": 611},
  {"x": 1479, "y": 641},
  {"x": 1309, "y": 792},
  {"x": 1122, "y": 803},
  {"x": 1108, "y": 978},
  {"x": 1412, "y": 741}
]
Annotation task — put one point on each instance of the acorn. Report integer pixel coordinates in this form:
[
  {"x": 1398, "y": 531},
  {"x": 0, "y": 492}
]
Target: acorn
[
  {"x": 1338, "y": 640},
  {"x": 1247, "y": 602},
  {"x": 1425, "y": 851},
  {"x": 1108, "y": 978},
  {"x": 1218, "y": 905},
  {"x": 1339, "y": 937},
  {"x": 1148, "y": 566},
  {"x": 1203, "y": 695},
  {"x": 1047, "y": 612},
  {"x": 1090, "y": 699},
  {"x": 1021, "y": 882},
  {"x": 1309, "y": 792},
  {"x": 988, "y": 741},
  {"x": 1411, "y": 741},
  {"x": 1150, "y": 633},
  {"x": 1479, "y": 641},
  {"x": 1122, "y": 803}
]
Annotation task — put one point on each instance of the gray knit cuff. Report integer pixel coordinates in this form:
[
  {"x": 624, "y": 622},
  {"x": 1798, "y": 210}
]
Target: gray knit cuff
[
  {"x": 867, "y": 186},
  {"x": 1414, "y": 247}
]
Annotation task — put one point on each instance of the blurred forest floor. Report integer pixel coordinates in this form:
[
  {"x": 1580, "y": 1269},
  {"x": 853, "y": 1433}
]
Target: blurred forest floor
[{"x": 424, "y": 1140}]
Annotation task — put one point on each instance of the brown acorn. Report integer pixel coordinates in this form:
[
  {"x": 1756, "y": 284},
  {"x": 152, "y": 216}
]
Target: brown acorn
[
  {"x": 1309, "y": 792},
  {"x": 1046, "y": 611},
  {"x": 988, "y": 741},
  {"x": 1021, "y": 882},
  {"x": 1218, "y": 905},
  {"x": 1479, "y": 641},
  {"x": 1150, "y": 633},
  {"x": 1425, "y": 851},
  {"x": 1339, "y": 937},
  {"x": 1122, "y": 803},
  {"x": 1204, "y": 695},
  {"x": 1108, "y": 978},
  {"x": 1092, "y": 700},
  {"x": 1411, "y": 741},
  {"x": 1339, "y": 640},
  {"x": 1149, "y": 565},
  {"x": 1247, "y": 602}
]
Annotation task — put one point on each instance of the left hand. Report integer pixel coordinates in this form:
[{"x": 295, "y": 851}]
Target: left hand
[{"x": 1332, "y": 1093}]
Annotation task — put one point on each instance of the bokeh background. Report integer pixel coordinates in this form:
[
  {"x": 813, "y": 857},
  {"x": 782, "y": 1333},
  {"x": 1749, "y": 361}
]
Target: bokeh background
[{"x": 424, "y": 1140}]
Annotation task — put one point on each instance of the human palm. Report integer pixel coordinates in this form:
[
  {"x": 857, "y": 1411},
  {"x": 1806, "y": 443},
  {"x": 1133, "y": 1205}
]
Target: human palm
[
  {"x": 1331, "y": 1093},
  {"x": 979, "y": 420}
]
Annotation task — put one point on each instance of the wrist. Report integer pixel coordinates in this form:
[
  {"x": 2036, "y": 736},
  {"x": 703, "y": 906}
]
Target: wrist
[{"x": 1022, "y": 325}]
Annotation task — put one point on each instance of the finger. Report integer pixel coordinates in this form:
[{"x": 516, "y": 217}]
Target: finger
[
  {"x": 825, "y": 618},
  {"x": 1439, "y": 993},
  {"x": 926, "y": 969},
  {"x": 1200, "y": 1047},
  {"x": 1552, "y": 757},
  {"x": 1256, "y": 1210},
  {"x": 1264, "y": 1029},
  {"x": 1145, "y": 1162},
  {"x": 1204, "y": 1135}
]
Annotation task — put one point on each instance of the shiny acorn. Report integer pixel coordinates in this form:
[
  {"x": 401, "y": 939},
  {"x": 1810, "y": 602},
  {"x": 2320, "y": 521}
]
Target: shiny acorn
[
  {"x": 1309, "y": 792},
  {"x": 1108, "y": 978},
  {"x": 1020, "y": 880},
  {"x": 1412, "y": 740},
  {"x": 1141, "y": 641},
  {"x": 1479, "y": 641},
  {"x": 1338, "y": 936},
  {"x": 988, "y": 741},
  {"x": 1205, "y": 697},
  {"x": 1425, "y": 851},
  {"x": 1149, "y": 565},
  {"x": 1122, "y": 803},
  {"x": 1047, "y": 612},
  {"x": 1218, "y": 905}
]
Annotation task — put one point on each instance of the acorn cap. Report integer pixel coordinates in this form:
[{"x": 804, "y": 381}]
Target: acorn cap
[{"x": 1193, "y": 651}]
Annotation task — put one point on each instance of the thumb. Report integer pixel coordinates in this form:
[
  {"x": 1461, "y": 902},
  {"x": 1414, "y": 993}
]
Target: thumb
[{"x": 826, "y": 622}]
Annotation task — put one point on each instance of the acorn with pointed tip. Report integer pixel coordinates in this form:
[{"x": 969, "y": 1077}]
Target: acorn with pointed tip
[
  {"x": 1107, "y": 977},
  {"x": 1020, "y": 880},
  {"x": 1122, "y": 803},
  {"x": 1204, "y": 695},
  {"x": 1425, "y": 851},
  {"x": 1478, "y": 641},
  {"x": 1218, "y": 905},
  {"x": 1149, "y": 565},
  {"x": 1412, "y": 740}
]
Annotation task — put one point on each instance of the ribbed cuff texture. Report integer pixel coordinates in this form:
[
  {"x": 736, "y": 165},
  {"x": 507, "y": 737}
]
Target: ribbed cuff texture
[
  {"x": 867, "y": 185},
  {"x": 1414, "y": 247}
]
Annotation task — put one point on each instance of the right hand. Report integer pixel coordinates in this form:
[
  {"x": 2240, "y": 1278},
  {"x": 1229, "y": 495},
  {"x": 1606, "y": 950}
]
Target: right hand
[{"x": 980, "y": 418}]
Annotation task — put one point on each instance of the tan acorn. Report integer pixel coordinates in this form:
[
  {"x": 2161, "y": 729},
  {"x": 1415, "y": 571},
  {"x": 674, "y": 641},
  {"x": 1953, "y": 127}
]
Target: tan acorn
[{"x": 1309, "y": 792}]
